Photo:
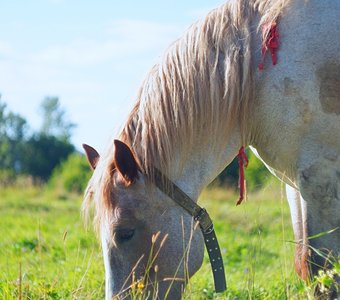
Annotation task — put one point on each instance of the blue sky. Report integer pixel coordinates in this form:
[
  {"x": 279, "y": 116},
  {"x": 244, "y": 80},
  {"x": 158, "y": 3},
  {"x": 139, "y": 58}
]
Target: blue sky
[{"x": 93, "y": 55}]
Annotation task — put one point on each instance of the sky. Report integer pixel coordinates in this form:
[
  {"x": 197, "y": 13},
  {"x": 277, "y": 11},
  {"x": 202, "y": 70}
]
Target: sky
[{"x": 92, "y": 55}]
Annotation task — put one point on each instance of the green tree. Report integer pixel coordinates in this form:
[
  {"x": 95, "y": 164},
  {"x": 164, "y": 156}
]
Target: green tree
[
  {"x": 17, "y": 127},
  {"x": 43, "y": 153},
  {"x": 55, "y": 122},
  {"x": 2, "y": 117},
  {"x": 13, "y": 132}
]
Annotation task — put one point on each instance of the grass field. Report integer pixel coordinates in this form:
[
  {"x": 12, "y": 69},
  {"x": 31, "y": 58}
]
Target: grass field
[{"x": 45, "y": 252}]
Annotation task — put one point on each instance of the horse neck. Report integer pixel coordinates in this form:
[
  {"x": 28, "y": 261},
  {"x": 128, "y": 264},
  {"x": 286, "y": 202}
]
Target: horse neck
[
  {"x": 195, "y": 162},
  {"x": 204, "y": 163}
]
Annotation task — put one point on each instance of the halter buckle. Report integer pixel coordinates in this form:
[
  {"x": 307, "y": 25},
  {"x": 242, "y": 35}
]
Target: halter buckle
[{"x": 203, "y": 218}]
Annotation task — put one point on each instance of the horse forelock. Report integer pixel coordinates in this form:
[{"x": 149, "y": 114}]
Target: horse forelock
[{"x": 201, "y": 89}]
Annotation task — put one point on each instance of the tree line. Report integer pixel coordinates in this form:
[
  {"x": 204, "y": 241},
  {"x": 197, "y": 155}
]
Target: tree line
[{"x": 35, "y": 153}]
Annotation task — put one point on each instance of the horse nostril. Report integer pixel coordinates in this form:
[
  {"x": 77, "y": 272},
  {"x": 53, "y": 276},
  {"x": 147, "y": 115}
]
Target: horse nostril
[{"x": 124, "y": 235}]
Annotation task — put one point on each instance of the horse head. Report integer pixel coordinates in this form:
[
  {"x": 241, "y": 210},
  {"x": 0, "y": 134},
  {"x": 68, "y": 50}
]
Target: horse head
[{"x": 146, "y": 238}]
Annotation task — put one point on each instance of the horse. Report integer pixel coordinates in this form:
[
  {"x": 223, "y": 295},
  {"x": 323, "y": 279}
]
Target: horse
[{"x": 257, "y": 73}]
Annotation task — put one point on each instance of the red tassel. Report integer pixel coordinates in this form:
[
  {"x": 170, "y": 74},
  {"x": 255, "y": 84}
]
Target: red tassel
[
  {"x": 242, "y": 163},
  {"x": 271, "y": 42}
]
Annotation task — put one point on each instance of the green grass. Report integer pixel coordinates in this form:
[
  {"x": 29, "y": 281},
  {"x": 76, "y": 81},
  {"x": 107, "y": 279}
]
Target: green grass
[{"x": 45, "y": 252}]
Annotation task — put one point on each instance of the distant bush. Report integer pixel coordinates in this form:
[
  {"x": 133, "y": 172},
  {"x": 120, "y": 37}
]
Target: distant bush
[
  {"x": 257, "y": 175},
  {"x": 72, "y": 175},
  {"x": 7, "y": 177}
]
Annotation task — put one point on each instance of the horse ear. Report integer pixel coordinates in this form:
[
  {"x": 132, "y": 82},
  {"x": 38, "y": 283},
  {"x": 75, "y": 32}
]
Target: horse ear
[
  {"x": 92, "y": 156},
  {"x": 125, "y": 162}
]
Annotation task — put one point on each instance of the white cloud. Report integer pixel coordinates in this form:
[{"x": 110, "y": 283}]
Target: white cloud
[
  {"x": 55, "y": 1},
  {"x": 140, "y": 32},
  {"x": 80, "y": 52},
  {"x": 6, "y": 49},
  {"x": 122, "y": 38},
  {"x": 200, "y": 13}
]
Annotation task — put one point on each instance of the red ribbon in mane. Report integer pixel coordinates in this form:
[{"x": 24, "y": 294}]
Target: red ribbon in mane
[
  {"x": 242, "y": 163},
  {"x": 271, "y": 43}
]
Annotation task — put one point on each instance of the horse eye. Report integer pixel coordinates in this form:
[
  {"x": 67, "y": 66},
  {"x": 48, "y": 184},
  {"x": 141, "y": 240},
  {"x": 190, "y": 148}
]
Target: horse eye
[{"x": 124, "y": 235}]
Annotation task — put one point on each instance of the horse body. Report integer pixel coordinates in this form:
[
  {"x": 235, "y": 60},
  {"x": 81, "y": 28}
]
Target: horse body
[
  {"x": 302, "y": 145},
  {"x": 194, "y": 113}
]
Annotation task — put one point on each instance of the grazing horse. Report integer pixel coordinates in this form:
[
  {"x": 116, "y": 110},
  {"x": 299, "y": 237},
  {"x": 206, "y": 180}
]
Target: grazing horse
[{"x": 196, "y": 108}]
